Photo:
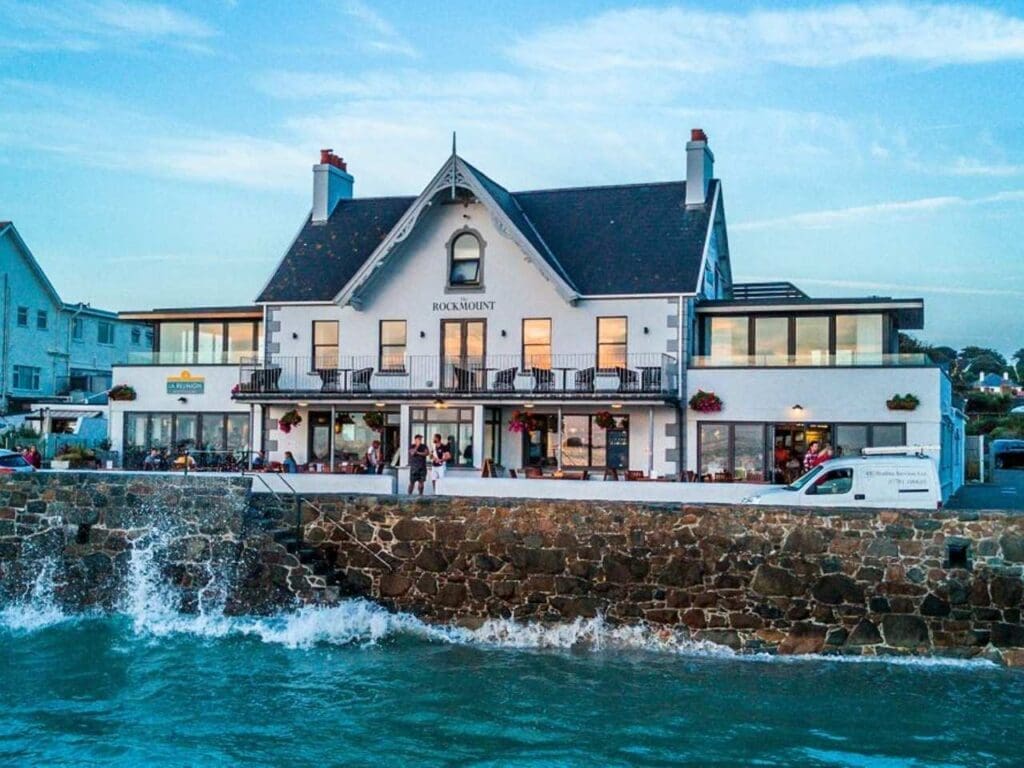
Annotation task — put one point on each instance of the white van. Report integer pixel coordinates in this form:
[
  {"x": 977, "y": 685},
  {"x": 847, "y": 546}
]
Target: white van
[{"x": 896, "y": 482}]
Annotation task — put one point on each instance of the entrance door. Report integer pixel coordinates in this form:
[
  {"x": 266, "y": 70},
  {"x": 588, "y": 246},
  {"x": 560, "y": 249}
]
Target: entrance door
[{"x": 463, "y": 354}]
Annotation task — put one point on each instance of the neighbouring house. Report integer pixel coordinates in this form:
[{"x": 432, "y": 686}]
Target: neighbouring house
[
  {"x": 588, "y": 330},
  {"x": 52, "y": 351},
  {"x": 996, "y": 384}
]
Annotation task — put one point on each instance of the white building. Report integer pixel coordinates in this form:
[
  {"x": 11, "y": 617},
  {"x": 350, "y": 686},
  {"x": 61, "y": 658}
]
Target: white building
[
  {"x": 183, "y": 387},
  {"x": 590, "y": 316},
  {"x": 50, "y": 350}
]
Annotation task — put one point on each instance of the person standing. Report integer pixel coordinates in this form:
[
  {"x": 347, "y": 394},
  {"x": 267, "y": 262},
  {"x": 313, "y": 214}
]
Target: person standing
[
  {"x": 813, "y": 456},
  {"x": 373, "y": 458},
  {"x": 418, "y": 455},
  {"x": 441, "y": 457}
]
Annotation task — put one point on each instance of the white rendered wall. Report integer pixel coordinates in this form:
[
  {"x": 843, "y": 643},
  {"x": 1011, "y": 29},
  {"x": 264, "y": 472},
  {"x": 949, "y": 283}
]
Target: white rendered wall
[
  {"x": 416, "y": 279},
  {"x": 150, "y": 384}
]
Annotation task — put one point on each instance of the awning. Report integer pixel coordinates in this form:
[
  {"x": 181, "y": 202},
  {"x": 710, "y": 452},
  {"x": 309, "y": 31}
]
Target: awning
[{"x": 56, "y": 413}]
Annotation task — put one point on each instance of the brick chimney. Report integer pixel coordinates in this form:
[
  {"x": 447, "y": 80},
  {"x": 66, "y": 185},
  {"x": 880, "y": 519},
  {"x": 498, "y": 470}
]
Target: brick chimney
[
  {"x": 699, "y": 167},
  {"x": 331, "y": 183}
]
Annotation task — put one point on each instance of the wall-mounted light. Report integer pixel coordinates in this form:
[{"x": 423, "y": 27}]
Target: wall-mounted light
[
  {"x": 423, "y": 334},
  {"x": 616, "y": 405},
  {"x": 302, "y": 405},
  {"x": 182, "y": 399},
  {"x": 798, "y": 407},
  {"x": 295, "y": 335},
  {"x": 439, "y": 403},
  {"x": 527, "y": 405},
  {"x": 504, "y": 333},
  {"x": 646, "y": 330},
  {"x": 380, "y": 405}
]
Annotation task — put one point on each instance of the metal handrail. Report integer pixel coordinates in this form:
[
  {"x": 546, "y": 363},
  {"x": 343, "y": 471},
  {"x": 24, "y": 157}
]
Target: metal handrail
[{"x": 299, "y": 500}]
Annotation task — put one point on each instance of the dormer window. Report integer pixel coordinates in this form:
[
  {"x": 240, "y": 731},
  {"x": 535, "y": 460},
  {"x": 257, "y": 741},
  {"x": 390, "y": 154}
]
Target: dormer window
[{"x": 465, "y": 260}]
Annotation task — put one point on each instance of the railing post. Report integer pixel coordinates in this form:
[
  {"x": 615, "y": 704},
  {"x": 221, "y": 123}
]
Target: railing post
[{"x": 298, "y": 522}]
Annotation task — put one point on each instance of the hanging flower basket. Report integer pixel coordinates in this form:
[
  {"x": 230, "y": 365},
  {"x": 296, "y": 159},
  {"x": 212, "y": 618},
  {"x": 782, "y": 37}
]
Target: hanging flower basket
[
  {"x": 374, "y": 420},
  {"x": 907, "y": 402},
  {"x": 604, "y": 420},
  {"x": 236, "y": 389},
  {"x": 522, "y": 421},
  {"x": 706, "y": 402},
  {"x": 289, "y": 420},
  {"x": 121, "y": 392}
]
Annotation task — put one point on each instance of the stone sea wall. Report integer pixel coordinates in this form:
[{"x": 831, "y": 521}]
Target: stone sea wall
[{"x": 752, "y": 578}]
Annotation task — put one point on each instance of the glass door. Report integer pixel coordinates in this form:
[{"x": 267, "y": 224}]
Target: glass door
[{"x": 463, "y": 354}]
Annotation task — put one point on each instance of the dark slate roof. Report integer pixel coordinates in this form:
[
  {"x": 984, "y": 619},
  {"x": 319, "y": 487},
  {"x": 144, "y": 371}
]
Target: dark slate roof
[
  {"x": 634, "y": 238},
  {"x": 625, "y": 239},
  {"x": 324, "y": 257}
]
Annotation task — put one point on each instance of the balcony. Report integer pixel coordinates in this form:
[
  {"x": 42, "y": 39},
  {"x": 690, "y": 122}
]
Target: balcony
[
  {"x": 814, "y": 360},
  {"x": 649, "y": 377}
]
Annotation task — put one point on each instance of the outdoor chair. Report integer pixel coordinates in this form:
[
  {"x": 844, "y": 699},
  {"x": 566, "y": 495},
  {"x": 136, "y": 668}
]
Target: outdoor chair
[
  {"x": 505, "y": 380},
  {"x": 543, "y": 379},
  {"x": 462, "y": 379},
  {"x": 627, "y": 379},
  {"x": 585, "y": 380},
  {"x": 634, "y": 474},
  {"x": 262, "y": 380},
  {"x": 650, "y": 379},
  {"x": 611, "y": 473},
  {"x": 361, "y": 379},
  {"x": 533, "y": 472}
]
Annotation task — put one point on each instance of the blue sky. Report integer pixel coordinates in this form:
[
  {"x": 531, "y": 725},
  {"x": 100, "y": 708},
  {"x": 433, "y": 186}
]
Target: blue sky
[{"x": 160, "y": 155}]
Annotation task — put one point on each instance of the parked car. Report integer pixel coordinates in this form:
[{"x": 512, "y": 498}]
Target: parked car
[
  {"x": 1007, "y": 453},
  {"x": 11, "y": 461},
  {"x": 900, "y": 482}
]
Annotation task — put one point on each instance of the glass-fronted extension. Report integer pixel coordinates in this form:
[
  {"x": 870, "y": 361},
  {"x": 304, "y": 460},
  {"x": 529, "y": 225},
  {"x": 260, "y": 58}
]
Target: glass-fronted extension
[
  {"x": 731, "y": 334},
  {"x": 212, "y": 336}
]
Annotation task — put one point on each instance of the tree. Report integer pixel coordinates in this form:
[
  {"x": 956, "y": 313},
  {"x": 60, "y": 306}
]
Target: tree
[{"x": 1019, "y": 357}]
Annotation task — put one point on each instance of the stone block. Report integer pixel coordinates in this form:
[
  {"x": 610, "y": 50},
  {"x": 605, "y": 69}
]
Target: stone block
[
  {"x": 803, "y": 638},
  {"x": 865, "y": 633},
  {"x": 1007, "y": 635},
  {"x": 394, "y": 585},
  {"x": 804, "y": 540},
  {"x": 769, "y": 581},
  {"x": 836, "y": 588},
  {"x": 905, "y": 631},
  {"x": 1006, "y": 591}
]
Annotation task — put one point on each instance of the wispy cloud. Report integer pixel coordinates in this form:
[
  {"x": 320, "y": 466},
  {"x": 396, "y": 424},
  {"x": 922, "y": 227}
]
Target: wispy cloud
[
  {"x": 688, "y": 40},
  {"x": 382, "y": 37},
  {"x": 90, "y": 25},
  {"x": 835, "y": 217}
]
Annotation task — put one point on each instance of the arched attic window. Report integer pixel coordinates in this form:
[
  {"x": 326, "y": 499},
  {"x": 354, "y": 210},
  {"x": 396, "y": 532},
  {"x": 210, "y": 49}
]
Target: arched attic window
[{"x": 466, "y": 260}]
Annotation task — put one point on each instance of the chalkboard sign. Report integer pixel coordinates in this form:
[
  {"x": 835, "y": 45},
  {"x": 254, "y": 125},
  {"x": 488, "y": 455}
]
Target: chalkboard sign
[{"x": 617, "y": 447}]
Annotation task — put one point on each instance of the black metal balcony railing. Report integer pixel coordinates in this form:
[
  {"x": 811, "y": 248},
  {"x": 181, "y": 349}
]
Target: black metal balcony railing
[{"x": 555, "y": 375}]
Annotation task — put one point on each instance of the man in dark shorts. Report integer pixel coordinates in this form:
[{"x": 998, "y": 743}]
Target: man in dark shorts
[{"x": 418, "y": 455}]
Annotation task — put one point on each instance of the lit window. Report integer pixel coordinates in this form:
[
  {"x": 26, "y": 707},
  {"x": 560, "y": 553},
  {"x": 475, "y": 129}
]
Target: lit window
[
  {"x": 466, "y": 258},
  {"x": 611, "y": 343},
  {"x": 536, "y": 343},
  {"x": 392, "y": 346},
  {"x": 325, "y": 343}
]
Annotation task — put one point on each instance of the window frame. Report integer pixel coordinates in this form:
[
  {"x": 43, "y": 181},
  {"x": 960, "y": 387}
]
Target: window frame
[
  {"x": 35, "y": 375},
  {"x": 314, "y": 346},
  {"x": 523, "y": 347},
  {"x": 21, "y": 317},
  {"x": 100, "y": 326},
  {"x": 136, "y": 335},
  {"x": 77, "y": 329},
  {"x": 42, "y": 320},
  {"x": 381, "y": 347},
  {"x": 624, "y": 343},
  {"x": 478, "y": 284}
]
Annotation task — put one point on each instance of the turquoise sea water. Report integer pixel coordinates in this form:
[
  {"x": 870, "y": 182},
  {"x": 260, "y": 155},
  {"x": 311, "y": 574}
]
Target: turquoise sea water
[{"x": 354, "y": 686}]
